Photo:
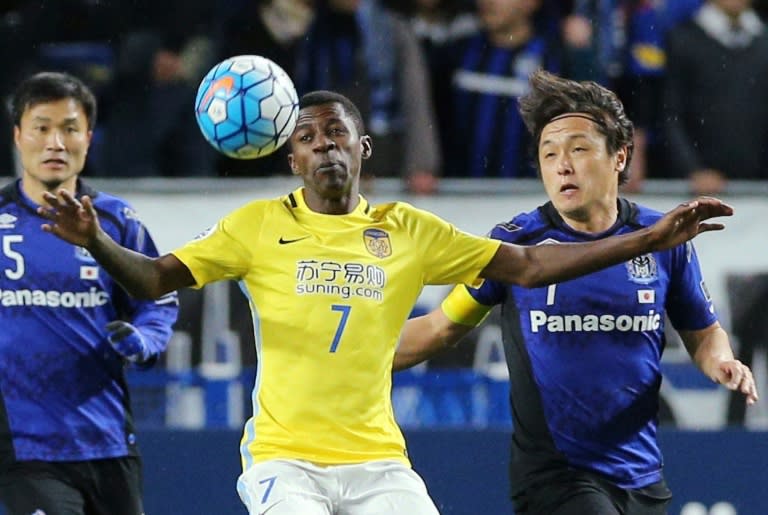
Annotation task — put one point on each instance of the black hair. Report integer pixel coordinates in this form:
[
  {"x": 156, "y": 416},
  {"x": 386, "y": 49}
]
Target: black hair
[
  {"x": 320, "y": 97},
  {"x": 551, "y": 96},
  {"x": 51, "y": 86}
]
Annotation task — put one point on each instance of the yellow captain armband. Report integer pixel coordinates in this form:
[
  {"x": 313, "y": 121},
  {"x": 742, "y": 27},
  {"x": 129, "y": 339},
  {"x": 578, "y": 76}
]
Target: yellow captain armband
[{"x": 461, "y": 308}]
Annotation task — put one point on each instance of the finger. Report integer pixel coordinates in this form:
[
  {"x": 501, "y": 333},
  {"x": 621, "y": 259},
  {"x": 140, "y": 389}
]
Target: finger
[
  {"x": 735, "y": 375},
  {"x": 67, "y": 197},
  {"x": 87, "y": 204},
  {"x": 691, "y": 204},
  {"x": 715, "y": 207},
  {"x": 48, "y": 213},
  {"x": 51, "y": 199},
  {"x": 747, "y": 381},
  {"x": 713, "y": 201},
  {"x": 705, "y": 227},
  {"x": 750, "y": 390},
  {"x": 120, "y": 333},
  {"x": 114, "y": 324}
]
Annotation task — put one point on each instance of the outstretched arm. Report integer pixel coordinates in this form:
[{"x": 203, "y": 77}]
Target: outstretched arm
[
  {"x": 143, "y": 277},
  {"x": 540, "y": 265},
  {"x": 710, "y": 349}
]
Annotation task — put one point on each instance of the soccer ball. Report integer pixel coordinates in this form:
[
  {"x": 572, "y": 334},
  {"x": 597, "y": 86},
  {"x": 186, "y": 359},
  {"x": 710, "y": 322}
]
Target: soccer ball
[{"x": 246, "y": 106}]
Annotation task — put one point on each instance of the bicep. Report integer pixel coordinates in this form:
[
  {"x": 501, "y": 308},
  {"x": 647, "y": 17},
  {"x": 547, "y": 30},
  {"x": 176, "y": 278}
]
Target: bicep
[{"x": 507, "y": 265}]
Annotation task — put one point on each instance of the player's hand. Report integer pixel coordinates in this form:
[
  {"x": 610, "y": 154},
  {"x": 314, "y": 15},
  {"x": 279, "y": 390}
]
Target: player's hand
[
  {"x": 735, "y": 375},
  {"x": 127, "y": 341},
  {"x": 71, "y": 220},
  {"x": 687, "y": 221}
]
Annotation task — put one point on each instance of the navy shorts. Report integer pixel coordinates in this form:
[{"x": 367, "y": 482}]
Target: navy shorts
[
  {"x": 98, "y": 487},
  {"x": 578, "y": 493}
]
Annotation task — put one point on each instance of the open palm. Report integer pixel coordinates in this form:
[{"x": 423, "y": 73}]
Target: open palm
[
  {"x": 70, "y": 219},
  {"x": 687, "y": 221}
]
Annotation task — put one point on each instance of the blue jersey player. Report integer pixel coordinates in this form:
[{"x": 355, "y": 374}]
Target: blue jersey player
[
  {"x": 584, "y": 355},
  {"x": 67, "y": 441}
]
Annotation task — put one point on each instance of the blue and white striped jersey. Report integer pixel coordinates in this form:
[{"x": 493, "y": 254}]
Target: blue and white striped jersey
[
  {"x": 584, "y": 355},
  {"x": 63, "y": 395}
]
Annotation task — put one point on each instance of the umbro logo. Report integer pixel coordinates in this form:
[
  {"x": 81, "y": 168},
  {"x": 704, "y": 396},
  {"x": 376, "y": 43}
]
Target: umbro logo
[
  {"x": 283, "y": 241},
  {"x": 7, "y": 221}
]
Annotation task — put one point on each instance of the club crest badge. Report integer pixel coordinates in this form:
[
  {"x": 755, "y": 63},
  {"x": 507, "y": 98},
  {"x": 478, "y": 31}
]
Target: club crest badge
[
  {"x": 82, "y": 254},
  {"x": 642, "y": 269},
  {"x": 377, "y": 242}
]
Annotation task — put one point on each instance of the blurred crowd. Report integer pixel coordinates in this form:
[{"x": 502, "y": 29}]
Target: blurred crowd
[{"x": 437, "y": 80}]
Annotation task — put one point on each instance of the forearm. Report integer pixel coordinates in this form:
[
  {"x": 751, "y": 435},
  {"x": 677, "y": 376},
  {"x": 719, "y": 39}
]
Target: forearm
[
  {"x": 139, "y": 275},
  {"x": 708, "y": 349},
  {"x": 539, "y": 265},
  {"x": 425, "y": 336}
]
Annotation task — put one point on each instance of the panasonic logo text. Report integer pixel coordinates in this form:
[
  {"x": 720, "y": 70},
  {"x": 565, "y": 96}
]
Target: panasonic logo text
[
  {"x": 53, "y": 298},
  {"x": 540, "y": 321}
]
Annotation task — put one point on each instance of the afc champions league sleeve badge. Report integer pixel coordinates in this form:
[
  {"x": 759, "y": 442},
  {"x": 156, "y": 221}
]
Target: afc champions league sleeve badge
[{"x": 377, "y": 242}]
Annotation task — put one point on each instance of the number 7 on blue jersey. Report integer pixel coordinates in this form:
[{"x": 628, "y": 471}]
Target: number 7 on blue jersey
[{"x": 342, "y": 324}]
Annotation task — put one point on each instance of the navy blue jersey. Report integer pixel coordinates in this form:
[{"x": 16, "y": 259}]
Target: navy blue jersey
[
  {"x": 63, "y": 395},
  {"x": 584, "y": 355}
]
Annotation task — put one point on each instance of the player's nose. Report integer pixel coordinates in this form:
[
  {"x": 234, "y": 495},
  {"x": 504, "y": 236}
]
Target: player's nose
[
  {"x": 324, "y": 143},
  {"x": 564, "y": 165}
]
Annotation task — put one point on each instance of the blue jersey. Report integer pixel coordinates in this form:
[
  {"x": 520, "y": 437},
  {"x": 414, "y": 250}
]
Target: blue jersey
[
  {"x": 63, "y": 395},
  {"x": 584, "y": 355}
]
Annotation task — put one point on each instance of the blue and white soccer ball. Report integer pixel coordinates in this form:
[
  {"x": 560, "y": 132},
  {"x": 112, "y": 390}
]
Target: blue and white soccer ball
[{"x": 246, "y": 106}]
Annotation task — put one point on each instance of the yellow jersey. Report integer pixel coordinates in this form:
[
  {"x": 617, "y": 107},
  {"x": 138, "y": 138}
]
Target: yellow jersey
[{"x": 329, "y": 296}]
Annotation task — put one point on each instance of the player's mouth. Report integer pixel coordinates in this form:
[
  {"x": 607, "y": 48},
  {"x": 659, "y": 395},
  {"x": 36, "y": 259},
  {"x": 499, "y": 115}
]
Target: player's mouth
[
  {"x": 54, "y": 163},
  {"x": 330, "y": 167},
  {"x": 568, "y": 188}
]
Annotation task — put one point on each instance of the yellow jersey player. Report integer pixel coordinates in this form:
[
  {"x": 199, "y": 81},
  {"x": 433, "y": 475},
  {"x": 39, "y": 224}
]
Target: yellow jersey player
[{"x": 330, "y": 280}]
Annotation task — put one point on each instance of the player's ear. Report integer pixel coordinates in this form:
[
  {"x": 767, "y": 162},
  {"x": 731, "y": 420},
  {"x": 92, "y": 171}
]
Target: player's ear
[
  {"x": 366, "y": 146},
  {"x": 292, "y": 164},
  {"x": 621, "y": 159}
]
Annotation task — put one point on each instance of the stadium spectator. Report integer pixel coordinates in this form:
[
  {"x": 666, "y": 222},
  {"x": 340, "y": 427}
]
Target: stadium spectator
[
  {"x": 716, "y": 129},
  {"x": 370, "y": 54},
  {"x": 35, "y": 35},
  {"x": 489, "y": 72},
  {"x": 149, "y": 85},
  {"x": 620, "y": 44},
  {"x": 67, "y": 441},
  {"x": 162, "y": 52},
  {"x": 322, "y": 438},
  {"x": 438, "y": 24},
  {"x": 272, "y": 29},
  {"x": 584, "y": 355}
]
